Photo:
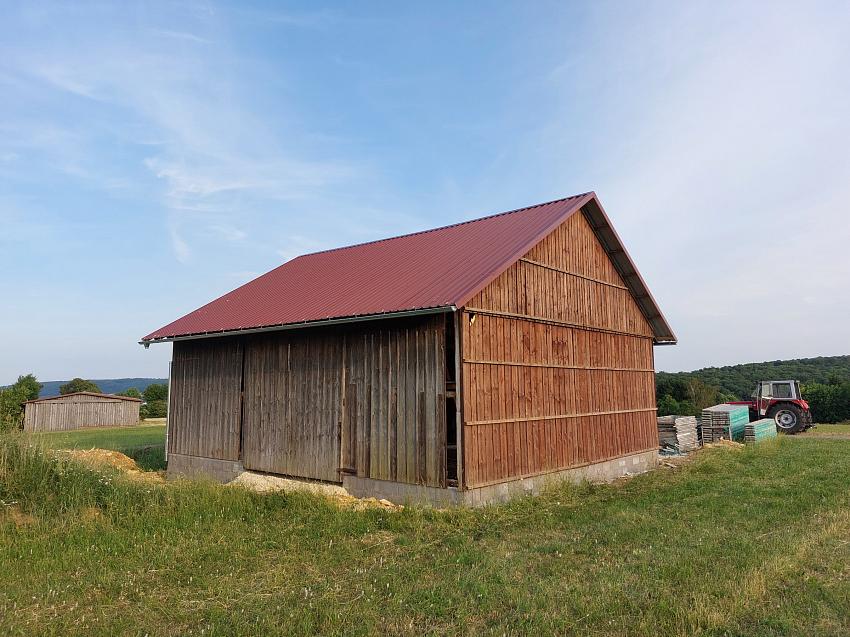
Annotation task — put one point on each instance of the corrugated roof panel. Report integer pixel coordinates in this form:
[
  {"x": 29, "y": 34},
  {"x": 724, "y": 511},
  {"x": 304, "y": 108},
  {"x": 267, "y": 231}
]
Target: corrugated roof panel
[{"x": 431, "y": 269}]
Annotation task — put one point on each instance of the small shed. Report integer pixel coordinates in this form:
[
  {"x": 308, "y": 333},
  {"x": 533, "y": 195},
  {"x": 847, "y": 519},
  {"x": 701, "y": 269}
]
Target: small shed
[
  {"x": 456, "y": 365},
  {"x": 80, "y": 409}
]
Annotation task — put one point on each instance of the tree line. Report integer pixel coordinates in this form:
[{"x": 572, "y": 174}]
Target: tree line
[
  {"x": 825, "y": 384},
  {"x": 27, "y": 387},
  {"x": 740, "y": 380}
]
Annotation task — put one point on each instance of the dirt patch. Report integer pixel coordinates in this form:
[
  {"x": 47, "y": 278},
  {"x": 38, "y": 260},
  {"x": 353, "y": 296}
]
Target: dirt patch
[
  {"x": 360, "y": 504},
  {"x": 99, "y": 458},
  {"x": 265, "y": 483},
  {"x": 725, "y": 443},
  {"x": 91, "y": 514},
  {"x": 675, "y": 462},
  {"x": 19, "y": 518}
]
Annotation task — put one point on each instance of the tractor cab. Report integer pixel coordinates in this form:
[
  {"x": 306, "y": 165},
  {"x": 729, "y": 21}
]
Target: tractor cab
[
  {"x": 782, "y": 401},
  {"x": 769, "y": 390}
]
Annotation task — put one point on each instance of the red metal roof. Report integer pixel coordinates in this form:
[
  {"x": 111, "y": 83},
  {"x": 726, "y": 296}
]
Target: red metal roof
[{"x": 438, "y": 268}]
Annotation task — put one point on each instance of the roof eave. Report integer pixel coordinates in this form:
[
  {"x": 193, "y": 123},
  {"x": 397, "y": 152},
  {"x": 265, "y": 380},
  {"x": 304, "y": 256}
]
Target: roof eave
[
  {"x": 302, "y": 325},
  {"x": 610, "y": 240}
]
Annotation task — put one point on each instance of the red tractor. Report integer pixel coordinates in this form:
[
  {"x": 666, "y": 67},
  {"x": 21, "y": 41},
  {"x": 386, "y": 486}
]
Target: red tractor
[{"x": 782, "y": 401}]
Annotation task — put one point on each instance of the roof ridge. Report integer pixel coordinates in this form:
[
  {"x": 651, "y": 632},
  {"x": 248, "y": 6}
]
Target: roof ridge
[
  {"x": 451, "y": 225},
  {"x": 87, "y": 393}
]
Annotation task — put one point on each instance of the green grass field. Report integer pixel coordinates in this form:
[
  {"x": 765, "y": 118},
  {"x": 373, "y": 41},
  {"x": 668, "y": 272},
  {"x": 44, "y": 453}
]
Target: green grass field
[
  {"x": 144, "y": 443},
  {"x": 841, "y": 429},
  {"x": 737, "y": 542}
]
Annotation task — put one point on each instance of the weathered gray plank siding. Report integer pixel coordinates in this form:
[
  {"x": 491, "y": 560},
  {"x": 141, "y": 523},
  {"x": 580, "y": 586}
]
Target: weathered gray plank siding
[
  {"x": 365, "y": 399},
  {"x": 205, "y": 404},
  {"x": 397, "y": 377},
  {"x": 292, "y": 404},
  {"x": 64, "y": 413}
]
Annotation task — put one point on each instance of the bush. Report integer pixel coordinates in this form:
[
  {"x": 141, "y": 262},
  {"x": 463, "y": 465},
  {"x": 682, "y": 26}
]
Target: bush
[
  {"x": 12, "y": 399},
  {"x": 156, "y": 392},
  {"x": 154, "y": 409},
  {"x": 79, "y": 384},
  {"x": 828, "y": 402}
]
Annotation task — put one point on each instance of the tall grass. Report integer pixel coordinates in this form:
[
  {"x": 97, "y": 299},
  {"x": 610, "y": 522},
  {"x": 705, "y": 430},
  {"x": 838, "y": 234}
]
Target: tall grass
[
  {"x": 143, "y": 443},
  {"x": 738, "y": 542},
  {"x": 46, "y": 484}
]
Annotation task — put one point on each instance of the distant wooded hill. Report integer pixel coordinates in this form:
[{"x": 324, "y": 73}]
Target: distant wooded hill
[
  {"x": 107, "y": 385},
  {"x": 740, "y": 380}
]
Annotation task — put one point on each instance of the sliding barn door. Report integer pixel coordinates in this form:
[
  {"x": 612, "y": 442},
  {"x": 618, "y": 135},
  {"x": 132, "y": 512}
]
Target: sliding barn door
[{"x": 292, "y": 404}]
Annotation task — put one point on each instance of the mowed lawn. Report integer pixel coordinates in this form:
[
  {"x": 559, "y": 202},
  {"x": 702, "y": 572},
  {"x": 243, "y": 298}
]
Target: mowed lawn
[
  {"x": 144, "y": 443},
  {"x": 840, "y": 429},
  {"x": 736, "y": 542}
]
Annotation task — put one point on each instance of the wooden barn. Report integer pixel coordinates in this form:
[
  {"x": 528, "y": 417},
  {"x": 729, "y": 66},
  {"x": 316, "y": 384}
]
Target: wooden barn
[
  {"x": 80, "y": 409},
  {"x": 457, "y": 365}
]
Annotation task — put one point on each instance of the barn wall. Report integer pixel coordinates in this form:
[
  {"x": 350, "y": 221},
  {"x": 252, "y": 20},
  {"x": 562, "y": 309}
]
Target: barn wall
[
  {"x": 74, "y": 412},
  {"x": 395, "y": 411},
  {"x": 204, "y": 403},
  {"x": 365, "y": 399},
  {"x": 292, "y": 404},
  {"x": 567, "y": 278},
  {"x": 557, "y": 364}
]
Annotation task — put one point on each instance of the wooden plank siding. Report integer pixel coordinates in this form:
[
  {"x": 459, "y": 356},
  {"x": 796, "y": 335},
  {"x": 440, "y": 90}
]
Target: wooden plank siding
[
  {"x": 64, "y": 413},
  {"x": 396, "y": 428},
  {"x": 366, "y": 399},
  {"x": 292, "y": 404},
  {"x": 557, "y": 364},
  {"x": 204, "y": 403}
]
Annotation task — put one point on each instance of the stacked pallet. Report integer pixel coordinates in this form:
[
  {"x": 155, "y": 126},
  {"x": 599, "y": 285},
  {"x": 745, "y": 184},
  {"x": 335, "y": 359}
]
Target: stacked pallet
[
  {"x": 678, "y": 433},
  {"x": 759, "y": 430},
  {"x": 724, "y": 422}
]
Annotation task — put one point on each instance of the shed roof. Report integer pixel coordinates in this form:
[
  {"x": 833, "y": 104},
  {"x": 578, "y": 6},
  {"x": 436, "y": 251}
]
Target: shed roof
[
  {"x": 83, "y": 393},
  {"x": 432, "y": 270}
]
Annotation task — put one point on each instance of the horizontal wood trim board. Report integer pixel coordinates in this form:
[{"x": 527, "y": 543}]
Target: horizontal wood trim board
[
  {"x": 557, "y": 417},
  {"x": 543, "y": 319},
  {"x": 479, "y": 485},
  {"x": 575, "y": 274},
  {"x": 556, "y": 366}
]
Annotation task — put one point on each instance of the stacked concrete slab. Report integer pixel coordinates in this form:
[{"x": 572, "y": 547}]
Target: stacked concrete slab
[
  {"x": 724, "y": 422},
  {"x": 760, "y": 430},
  {"x": 678, "y": 433}
]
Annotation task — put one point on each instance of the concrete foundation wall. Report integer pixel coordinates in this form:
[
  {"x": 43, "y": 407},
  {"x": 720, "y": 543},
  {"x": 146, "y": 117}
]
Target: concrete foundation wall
[
  {"x": 400, "y": 493},
  {"x": 180, "y": 465},
  {"x": 503, "y": 491}
]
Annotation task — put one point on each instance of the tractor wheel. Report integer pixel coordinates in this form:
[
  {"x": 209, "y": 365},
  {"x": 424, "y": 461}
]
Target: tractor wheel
[{"x": 788, "y": 418}]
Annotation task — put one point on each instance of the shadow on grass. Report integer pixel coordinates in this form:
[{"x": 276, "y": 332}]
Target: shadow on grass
[{"x": 148, "y": 457}]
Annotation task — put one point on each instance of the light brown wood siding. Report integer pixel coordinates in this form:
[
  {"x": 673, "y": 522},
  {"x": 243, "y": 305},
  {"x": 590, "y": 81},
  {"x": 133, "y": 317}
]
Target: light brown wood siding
[
  {"x": 567, "y": 278},
  {"x": 204, "y": 403},
  {"x": 557, "y": 364},
  {"x": 77, "y": 411}
]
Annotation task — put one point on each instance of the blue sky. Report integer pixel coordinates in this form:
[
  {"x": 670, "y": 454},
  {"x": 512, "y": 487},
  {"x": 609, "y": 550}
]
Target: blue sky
[{"x": 154, "y": 156}]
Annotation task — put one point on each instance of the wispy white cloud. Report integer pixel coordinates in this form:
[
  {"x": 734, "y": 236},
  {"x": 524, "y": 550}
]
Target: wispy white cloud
[
  {"x": 213, "y": 152},
  {"x": 228, "y": 233},
  {"x": 181, "y": 35},
  {"x": 181, "y": 249},
  {"x": 723, "y": 137}
]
